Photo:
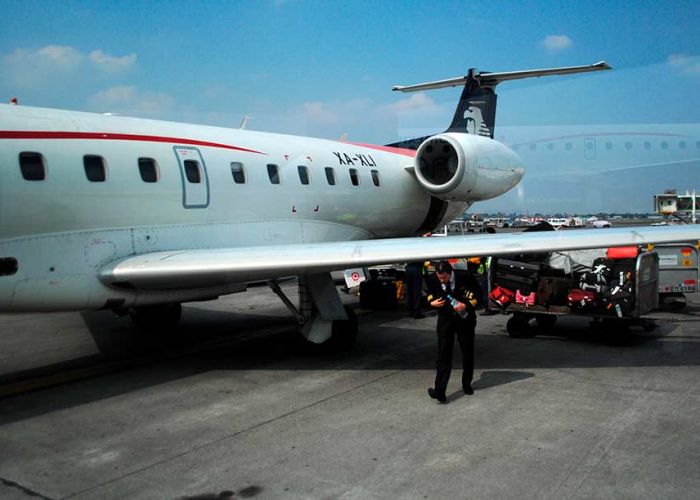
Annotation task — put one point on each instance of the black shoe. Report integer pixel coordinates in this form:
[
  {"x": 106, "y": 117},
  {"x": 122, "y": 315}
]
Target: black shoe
[
  {"x": 488, "y": 312},
  {"x": 468, "y": 390},
  {"x": 418, "y": 316},
  {"x": 436, "y": 395}
]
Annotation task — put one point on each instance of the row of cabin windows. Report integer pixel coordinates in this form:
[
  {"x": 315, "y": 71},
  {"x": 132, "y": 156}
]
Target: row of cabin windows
[
  {"x": 33, "y": 168},
  {"x": 273, "y": 174}
]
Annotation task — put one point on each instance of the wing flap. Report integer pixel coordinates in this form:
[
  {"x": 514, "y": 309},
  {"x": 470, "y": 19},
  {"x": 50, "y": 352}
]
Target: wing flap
[{"x": 212, "y": 267}]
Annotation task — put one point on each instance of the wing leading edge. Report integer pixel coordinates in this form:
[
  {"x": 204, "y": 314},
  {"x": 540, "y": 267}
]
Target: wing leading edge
[{"x": 211, "y": 267}]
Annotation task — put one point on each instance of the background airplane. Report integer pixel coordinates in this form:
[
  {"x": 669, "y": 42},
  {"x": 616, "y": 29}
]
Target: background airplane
[{"x": 109, "y": 212}]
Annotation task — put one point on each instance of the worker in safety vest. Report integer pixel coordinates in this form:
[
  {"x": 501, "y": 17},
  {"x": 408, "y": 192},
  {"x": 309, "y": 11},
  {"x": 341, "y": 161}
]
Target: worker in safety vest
[{"x": 479, "y": 267}]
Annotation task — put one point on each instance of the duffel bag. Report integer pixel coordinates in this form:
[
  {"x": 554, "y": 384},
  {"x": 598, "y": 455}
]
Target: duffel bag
[{"x": 501, "y": 296}]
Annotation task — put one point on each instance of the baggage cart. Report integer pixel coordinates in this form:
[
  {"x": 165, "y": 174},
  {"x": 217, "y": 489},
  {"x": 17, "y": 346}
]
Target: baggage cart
[{"x": 645, "y": 285}]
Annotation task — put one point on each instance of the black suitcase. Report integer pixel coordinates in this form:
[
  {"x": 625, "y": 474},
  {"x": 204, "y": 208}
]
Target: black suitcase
[
  {"x": 515, "y": 275},
  {"x": 378, "y": 294}
]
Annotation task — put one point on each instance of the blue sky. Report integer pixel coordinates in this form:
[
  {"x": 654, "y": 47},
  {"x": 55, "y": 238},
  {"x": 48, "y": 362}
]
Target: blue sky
[{"x": 325, "y": 68}]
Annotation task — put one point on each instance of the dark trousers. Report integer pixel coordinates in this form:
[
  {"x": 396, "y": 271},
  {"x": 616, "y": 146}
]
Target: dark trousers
[
  {"x": 447, "y": 328},
  {"x": 414, "y": 287}
]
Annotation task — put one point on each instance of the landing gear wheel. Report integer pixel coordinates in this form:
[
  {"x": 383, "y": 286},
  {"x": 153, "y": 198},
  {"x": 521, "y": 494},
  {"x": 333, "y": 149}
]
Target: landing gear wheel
[
  {"x": 344, "y": 332},
  {"x": 157, "y": 317},
  {"x": 518, "y": 327},
  {"x": 545, "y": 321}
]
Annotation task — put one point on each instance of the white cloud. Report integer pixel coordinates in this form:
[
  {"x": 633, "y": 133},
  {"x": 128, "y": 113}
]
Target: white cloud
[
  {"x": 556, "y": 43},
  {"x": 418, "y": 101},
  {"x": 45, "y": 67},
  {"x": 128, "y": 100},
  {"x": 111, "y": 64},
  {"x": 685, "y": 64},
  {"x": 320, "y": 113},
  {"x": 61, "y": 55}
]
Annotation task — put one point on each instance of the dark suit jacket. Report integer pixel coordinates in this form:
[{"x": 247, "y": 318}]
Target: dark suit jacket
[{"x": 464, "y": 283}]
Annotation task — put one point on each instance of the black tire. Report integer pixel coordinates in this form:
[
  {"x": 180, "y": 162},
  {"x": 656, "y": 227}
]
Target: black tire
[
  {"x": 649, "y": 325},
  {"x": 156, "y": 318},
  {"x": 546, "y": 321},
  {"x": 344, "y": 332},
  {"x": 518, "y": 327}
]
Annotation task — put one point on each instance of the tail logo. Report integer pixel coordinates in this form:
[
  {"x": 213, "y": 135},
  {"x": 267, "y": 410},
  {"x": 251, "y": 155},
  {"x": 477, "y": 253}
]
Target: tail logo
[{"x": 474, "y": 121}]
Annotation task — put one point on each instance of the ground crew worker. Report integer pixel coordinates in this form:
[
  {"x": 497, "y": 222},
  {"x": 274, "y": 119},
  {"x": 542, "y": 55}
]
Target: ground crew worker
[{"x": 414, "y": 289}]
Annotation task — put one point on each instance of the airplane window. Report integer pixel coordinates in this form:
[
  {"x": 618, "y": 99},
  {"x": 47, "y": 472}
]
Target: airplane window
[
  {"x": 664, "y": 145},
  {"x": 354, "y": 177},
  {"x": 375, "y": 177},
  {"x": 697, "y": 144},
  {"x": 192, "y": 171},
  {"x": 330, "y": 176},
  {"x": 608, "y": 145},
  {"x": 148, "y": 170},
  {"x": 628, "y": 145},
  {"x": 303, "y": 174},
  {"x": 568, "y": 146},
  {"x": 8, "y": 266},
  {"x": 95, "y": 169},
  {"x": 647, "y": 145},
  {"x": 32, "y": 166},
  {"x": 238, "y": 172},
  {"x": 273, "y": 173},
  {"x": 681, "y": 145},
  {"x": 550, "y": 146},
  {"x": 533, "y": 147}
]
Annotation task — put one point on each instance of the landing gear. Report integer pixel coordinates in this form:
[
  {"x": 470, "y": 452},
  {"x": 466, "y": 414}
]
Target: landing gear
[
  {"x": 156, "y": 317},
  {"x": 321, "y": 315}
]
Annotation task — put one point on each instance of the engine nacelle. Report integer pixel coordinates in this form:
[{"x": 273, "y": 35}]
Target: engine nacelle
[{"x": 466, "y": 167}]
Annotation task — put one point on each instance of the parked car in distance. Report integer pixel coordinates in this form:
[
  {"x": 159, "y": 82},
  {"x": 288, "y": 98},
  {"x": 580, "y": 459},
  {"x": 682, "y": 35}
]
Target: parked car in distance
[{"x": 601, "y": 223}]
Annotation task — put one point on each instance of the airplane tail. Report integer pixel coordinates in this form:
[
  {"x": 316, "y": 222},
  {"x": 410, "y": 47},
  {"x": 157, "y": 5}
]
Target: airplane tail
[{"x": 476, "y": 110}]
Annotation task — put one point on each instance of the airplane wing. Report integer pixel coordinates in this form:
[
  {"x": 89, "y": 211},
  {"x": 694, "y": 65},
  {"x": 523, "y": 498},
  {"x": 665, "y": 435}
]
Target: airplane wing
[{"x": 211, "y": 267}]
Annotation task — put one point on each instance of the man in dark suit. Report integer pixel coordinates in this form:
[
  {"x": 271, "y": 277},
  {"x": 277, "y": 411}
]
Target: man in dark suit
[{"x": 454, "y": 293}]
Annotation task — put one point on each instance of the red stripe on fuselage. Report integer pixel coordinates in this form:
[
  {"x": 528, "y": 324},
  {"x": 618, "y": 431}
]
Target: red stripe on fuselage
[
  {"x": 107, "y": 136},
  {"x": 388, "y": 149}
]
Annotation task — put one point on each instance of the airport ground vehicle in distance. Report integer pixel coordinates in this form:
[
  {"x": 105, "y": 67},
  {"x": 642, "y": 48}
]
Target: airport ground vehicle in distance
[{"x": 126, "y": 214}]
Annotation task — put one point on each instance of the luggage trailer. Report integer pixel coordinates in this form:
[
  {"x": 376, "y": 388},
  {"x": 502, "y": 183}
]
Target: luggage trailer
[
  {"x": 678, "y": 273},
  {"x": 646, "y": 298}
]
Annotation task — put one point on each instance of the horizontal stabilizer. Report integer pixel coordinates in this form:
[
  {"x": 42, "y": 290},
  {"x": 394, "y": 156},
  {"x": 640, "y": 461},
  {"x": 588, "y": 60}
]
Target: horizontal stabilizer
[{"x": 492, "y": 79}]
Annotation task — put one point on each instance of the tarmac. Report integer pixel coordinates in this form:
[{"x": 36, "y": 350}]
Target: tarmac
[{"x": 232, "y": 405}]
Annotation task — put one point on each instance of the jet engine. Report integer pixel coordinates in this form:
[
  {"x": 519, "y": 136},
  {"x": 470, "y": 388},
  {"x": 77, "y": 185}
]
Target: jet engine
[{"x": 466, "y": 167}]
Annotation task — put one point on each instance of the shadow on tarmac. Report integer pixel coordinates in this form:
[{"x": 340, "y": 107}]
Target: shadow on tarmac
[{"x": 385, "y": 343}]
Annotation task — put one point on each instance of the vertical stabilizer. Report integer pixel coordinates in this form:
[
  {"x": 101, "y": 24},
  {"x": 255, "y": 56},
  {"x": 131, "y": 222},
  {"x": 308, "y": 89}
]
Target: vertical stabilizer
[{"x": 476, "y": 110}]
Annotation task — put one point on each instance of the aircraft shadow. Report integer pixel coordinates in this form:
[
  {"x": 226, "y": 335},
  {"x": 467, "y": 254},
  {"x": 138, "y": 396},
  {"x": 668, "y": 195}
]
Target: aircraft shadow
[{"x": 385, "y": 343}]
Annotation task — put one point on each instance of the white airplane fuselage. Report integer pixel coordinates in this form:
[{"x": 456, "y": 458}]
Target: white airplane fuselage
[{"x": 63, "y": 228}]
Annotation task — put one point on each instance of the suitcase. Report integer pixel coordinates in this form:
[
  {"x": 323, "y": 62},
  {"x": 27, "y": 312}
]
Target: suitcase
[
  {"x": 552, "y": 291},
  {"x": 582, "y": 300},
  {"x": 515, "y": 275},
  {"x": 619, "y": 301},
  {"x": 598, "y": 278},
  {"x": 501, "y": 296},
  {"x": 378, "y": 294}
]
